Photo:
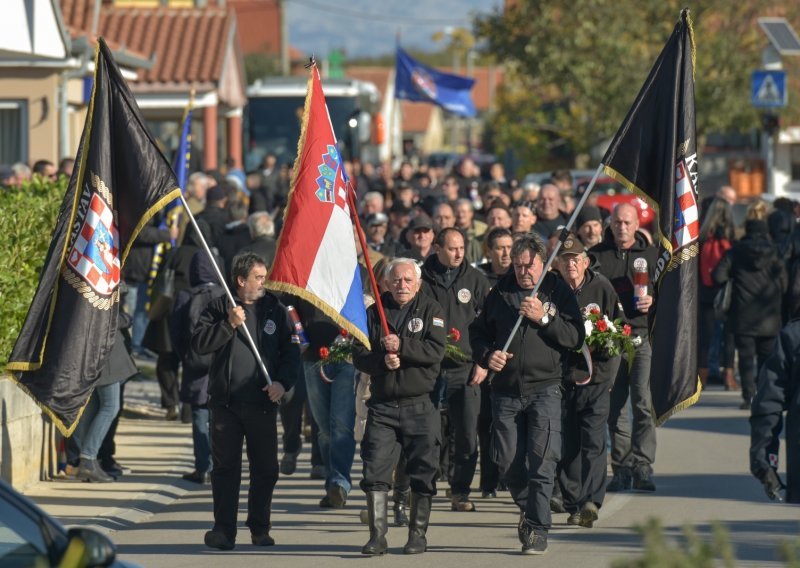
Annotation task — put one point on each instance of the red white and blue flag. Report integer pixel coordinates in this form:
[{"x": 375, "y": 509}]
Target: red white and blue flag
[
  {"x": 95, "y": 253},
  {"x": 316, "y": 257}
]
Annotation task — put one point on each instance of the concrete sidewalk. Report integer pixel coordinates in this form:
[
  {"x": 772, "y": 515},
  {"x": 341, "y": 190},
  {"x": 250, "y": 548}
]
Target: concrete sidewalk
[{"x": 701, "y": 473}]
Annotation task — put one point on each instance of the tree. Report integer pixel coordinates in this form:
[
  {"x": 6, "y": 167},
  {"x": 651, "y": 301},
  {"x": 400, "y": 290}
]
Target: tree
[{"x": 573, "y": 72}]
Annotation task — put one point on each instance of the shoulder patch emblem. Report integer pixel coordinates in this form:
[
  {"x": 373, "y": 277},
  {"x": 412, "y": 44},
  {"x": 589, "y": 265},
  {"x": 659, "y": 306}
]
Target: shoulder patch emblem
[
  {"x": 464, "y": 295},
  {"x": 438, "y": 322},
  {"x": 415, "y": 325}
]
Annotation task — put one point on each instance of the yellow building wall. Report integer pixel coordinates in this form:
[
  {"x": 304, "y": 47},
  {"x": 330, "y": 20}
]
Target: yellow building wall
[{"x": 39, "y": 87}]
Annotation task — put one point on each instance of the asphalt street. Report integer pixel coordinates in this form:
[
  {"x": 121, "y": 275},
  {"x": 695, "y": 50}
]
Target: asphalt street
[{"x": 158, "y": 520}]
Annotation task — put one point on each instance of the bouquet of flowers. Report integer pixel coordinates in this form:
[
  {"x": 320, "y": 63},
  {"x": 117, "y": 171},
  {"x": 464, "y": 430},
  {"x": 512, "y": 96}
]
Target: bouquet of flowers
[
  {"x": 340, "y": 351},
  {"x": 453, "y": 351},
  {"x": 609, "y": 337}
]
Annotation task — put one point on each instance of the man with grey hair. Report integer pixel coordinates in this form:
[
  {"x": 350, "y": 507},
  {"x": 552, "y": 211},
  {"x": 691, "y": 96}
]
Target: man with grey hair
[
  {"x": 262, "y": 231},
  {"x": 372, "y": 202},
  {"x": 526, "y": 389},
  {"x": 196, "y": 187},
  {"x": 403, "y": 366}
]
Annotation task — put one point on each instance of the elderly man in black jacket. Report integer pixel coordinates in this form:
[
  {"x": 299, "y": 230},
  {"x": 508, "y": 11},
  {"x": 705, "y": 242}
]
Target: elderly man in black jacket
[
  {"x": 526, "y": 390},
  {"x": 586, "y": 405},
  {"x": 460, "y": 290},
  {"x": 243, "y": 406},
  {"x": 403, "y": 366}
]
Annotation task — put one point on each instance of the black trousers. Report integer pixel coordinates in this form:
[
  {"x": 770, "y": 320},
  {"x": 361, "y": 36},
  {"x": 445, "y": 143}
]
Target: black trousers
[
  {"x": 583, "y": 460},
  {"x": 753, "y": 351},
  {"x": 489, "y": 472},
  {"x": 231, "y": 425},
  {"x": 463, "y": 407},
  {"x": 526, "y": 447},
  {"x": 167, "y": 366},
  {"x": 411, "y": 425}
]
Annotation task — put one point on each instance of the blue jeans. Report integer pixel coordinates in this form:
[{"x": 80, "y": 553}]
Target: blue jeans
[
  {"x": 201, "y": 439},
  {"x": 334, "y": 408},
  {"x": 135, "y": 302},
  {"x": 97, "y": 417}
]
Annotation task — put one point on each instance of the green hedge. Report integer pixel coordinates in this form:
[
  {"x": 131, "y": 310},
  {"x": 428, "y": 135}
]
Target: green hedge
[{"x": 27, "y": 217}]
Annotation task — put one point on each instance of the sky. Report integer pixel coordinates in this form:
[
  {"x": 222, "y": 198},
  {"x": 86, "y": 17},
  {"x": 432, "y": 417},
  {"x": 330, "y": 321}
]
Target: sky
[{"x": 368, "y": 27}]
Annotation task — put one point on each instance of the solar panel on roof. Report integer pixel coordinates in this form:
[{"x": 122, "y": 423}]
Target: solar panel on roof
[{"x": 781, "y": 35}]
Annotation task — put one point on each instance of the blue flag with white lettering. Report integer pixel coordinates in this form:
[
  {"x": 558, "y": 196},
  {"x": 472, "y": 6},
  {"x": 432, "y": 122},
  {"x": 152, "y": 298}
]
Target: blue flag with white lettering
[{"x": 417, "y": 82}]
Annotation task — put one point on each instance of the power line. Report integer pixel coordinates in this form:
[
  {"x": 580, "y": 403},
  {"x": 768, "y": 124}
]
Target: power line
[{"x": 332, "y": 10}]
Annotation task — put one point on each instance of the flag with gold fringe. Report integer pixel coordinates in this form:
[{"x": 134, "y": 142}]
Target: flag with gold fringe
[
  {"x": 654, "y": 154},
  {"x": 120, "y": 181},
  {"x": 316, "y": 256}
]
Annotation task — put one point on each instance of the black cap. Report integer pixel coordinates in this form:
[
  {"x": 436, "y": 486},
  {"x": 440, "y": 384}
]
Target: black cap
[
  {"x": 376, "y": 219},
  {"x": 421, "y": 221},
  {"x": 215, "y": 193},
  {"x": 588, "y": 213},
  {"x": 572, "y": 245}
]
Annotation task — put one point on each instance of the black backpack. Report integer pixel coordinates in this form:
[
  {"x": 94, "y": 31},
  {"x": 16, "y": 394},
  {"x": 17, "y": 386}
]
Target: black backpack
[{"x": 199, "y": 297}]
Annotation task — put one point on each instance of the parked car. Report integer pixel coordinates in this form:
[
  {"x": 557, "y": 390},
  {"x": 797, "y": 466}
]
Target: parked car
[{"x": 31, "y": 537}]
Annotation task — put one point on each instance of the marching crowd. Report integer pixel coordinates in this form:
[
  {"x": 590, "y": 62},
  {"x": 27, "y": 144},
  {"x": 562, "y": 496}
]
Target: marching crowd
[{"x": 456, "y": 255}]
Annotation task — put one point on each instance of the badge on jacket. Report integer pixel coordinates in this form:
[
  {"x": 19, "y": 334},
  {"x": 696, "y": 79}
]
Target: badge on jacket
[
  {"x": 464, "y": 295},
  {"x": 415, "y": 325},
  {"x": 270, "y": 327}
]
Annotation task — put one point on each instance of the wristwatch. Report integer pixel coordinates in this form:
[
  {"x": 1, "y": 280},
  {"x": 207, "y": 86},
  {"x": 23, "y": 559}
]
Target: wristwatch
[{"x": 549, "y": 313}]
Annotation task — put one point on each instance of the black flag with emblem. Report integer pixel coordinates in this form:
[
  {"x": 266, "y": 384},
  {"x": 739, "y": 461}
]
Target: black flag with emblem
[
  {"x": 654, "y": 155},
  {"x": 120, "y": 181}
]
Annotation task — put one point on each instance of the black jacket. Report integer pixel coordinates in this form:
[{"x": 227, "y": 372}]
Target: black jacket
[
  {"x": 213, "y": 334},
  {"x": 422, "y": 339},
  {"x": 539, "y": 352},
  {"x": 140, "y": 257},
  {"x": 461, "y": 292},
  {"x": 617, "y": 265},
  {"x": 597, "y": 291},
  {"x": 759, "y": 281},
  {"x": 778, "y": 391}
]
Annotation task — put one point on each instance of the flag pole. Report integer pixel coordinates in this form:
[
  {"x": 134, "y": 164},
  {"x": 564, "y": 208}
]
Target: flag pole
[
  {"x": 561, "y": 238},
  {"x": 373, "y": 283},
  {"x": 247, "y": 335}
]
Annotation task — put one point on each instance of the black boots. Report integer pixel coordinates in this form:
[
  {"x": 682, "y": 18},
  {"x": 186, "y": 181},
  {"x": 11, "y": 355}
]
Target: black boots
[
  {"x": 400, "y": 508},
  {"x": 418, "y": 524},
  {"x": 376, "y": 511},
  {"x": 90, "y": 470}
]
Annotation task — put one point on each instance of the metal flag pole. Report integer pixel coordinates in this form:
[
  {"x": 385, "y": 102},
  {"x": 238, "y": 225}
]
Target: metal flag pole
[
  {"x": 249, "y": 337},
  {"x": 561, "y": 238}
]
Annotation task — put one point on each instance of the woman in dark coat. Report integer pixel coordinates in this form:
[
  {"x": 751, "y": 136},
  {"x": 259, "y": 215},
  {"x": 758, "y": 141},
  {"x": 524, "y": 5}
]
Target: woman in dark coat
[{"x": 759, "y": 282}]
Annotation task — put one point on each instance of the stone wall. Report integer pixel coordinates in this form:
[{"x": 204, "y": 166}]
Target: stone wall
[{"x": 27, "y": 440}]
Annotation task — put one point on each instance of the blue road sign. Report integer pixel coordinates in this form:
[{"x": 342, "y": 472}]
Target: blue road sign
[{"x": 769, "y": 89}]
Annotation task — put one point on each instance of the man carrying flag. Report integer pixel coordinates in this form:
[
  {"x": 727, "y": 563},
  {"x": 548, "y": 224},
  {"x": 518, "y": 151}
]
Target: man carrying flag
[
  {"x": 120, "y": 182},
  {"x": 654, "y": 155}
]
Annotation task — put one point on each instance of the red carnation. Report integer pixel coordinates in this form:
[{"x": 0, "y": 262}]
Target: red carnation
[
  {"x": 455, "y": 335},
  {"x": 343, "y": 332},
  {"x": 626, "y": 329},
  {"x": 324, "y": 352},
  {"x": 602, "y": 325},
  {"x": 595, "y": 311}
]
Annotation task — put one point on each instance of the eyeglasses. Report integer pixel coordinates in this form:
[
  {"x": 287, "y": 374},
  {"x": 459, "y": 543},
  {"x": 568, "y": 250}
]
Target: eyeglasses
[{"x": 573, "y": 259}]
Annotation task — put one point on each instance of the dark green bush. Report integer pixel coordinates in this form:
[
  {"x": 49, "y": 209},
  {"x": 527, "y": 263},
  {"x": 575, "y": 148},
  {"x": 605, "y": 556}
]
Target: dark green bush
[{"x": 27, "y": 217}]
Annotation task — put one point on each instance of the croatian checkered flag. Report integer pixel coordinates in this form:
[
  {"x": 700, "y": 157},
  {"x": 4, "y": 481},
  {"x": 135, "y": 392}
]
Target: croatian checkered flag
[{"x": 121, "y": 180}]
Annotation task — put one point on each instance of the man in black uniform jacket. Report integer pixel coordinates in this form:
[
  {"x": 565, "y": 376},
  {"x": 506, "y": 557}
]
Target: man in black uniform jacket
[
  {"x": 242, "y": 405},
  {"x": 586, "y": 405},
  {"x": 460, "y": 290},
  {"x": 526, "y": 391},
  {"x": 778, "y": 391},
  {"x": 403, "y": 366}
]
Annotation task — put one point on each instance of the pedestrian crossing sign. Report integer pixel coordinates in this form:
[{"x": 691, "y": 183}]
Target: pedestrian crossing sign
[{"x": 769, "y": 89}]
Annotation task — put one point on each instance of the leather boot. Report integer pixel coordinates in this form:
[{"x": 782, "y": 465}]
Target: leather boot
[
  {"x": 703, "y": 372},
  {"x": 729, "y": 378},
  {"x": 378, "y": 524},
  {"x": 400, "y": 508},
  {"x": 90, "y": 470},
  {"x": 418, "y": 524}
]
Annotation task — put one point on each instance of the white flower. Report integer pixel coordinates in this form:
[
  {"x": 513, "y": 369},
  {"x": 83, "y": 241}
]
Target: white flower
[
  {"x": 588, "y": 326},
  {"x": 610, "y": 323}
]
